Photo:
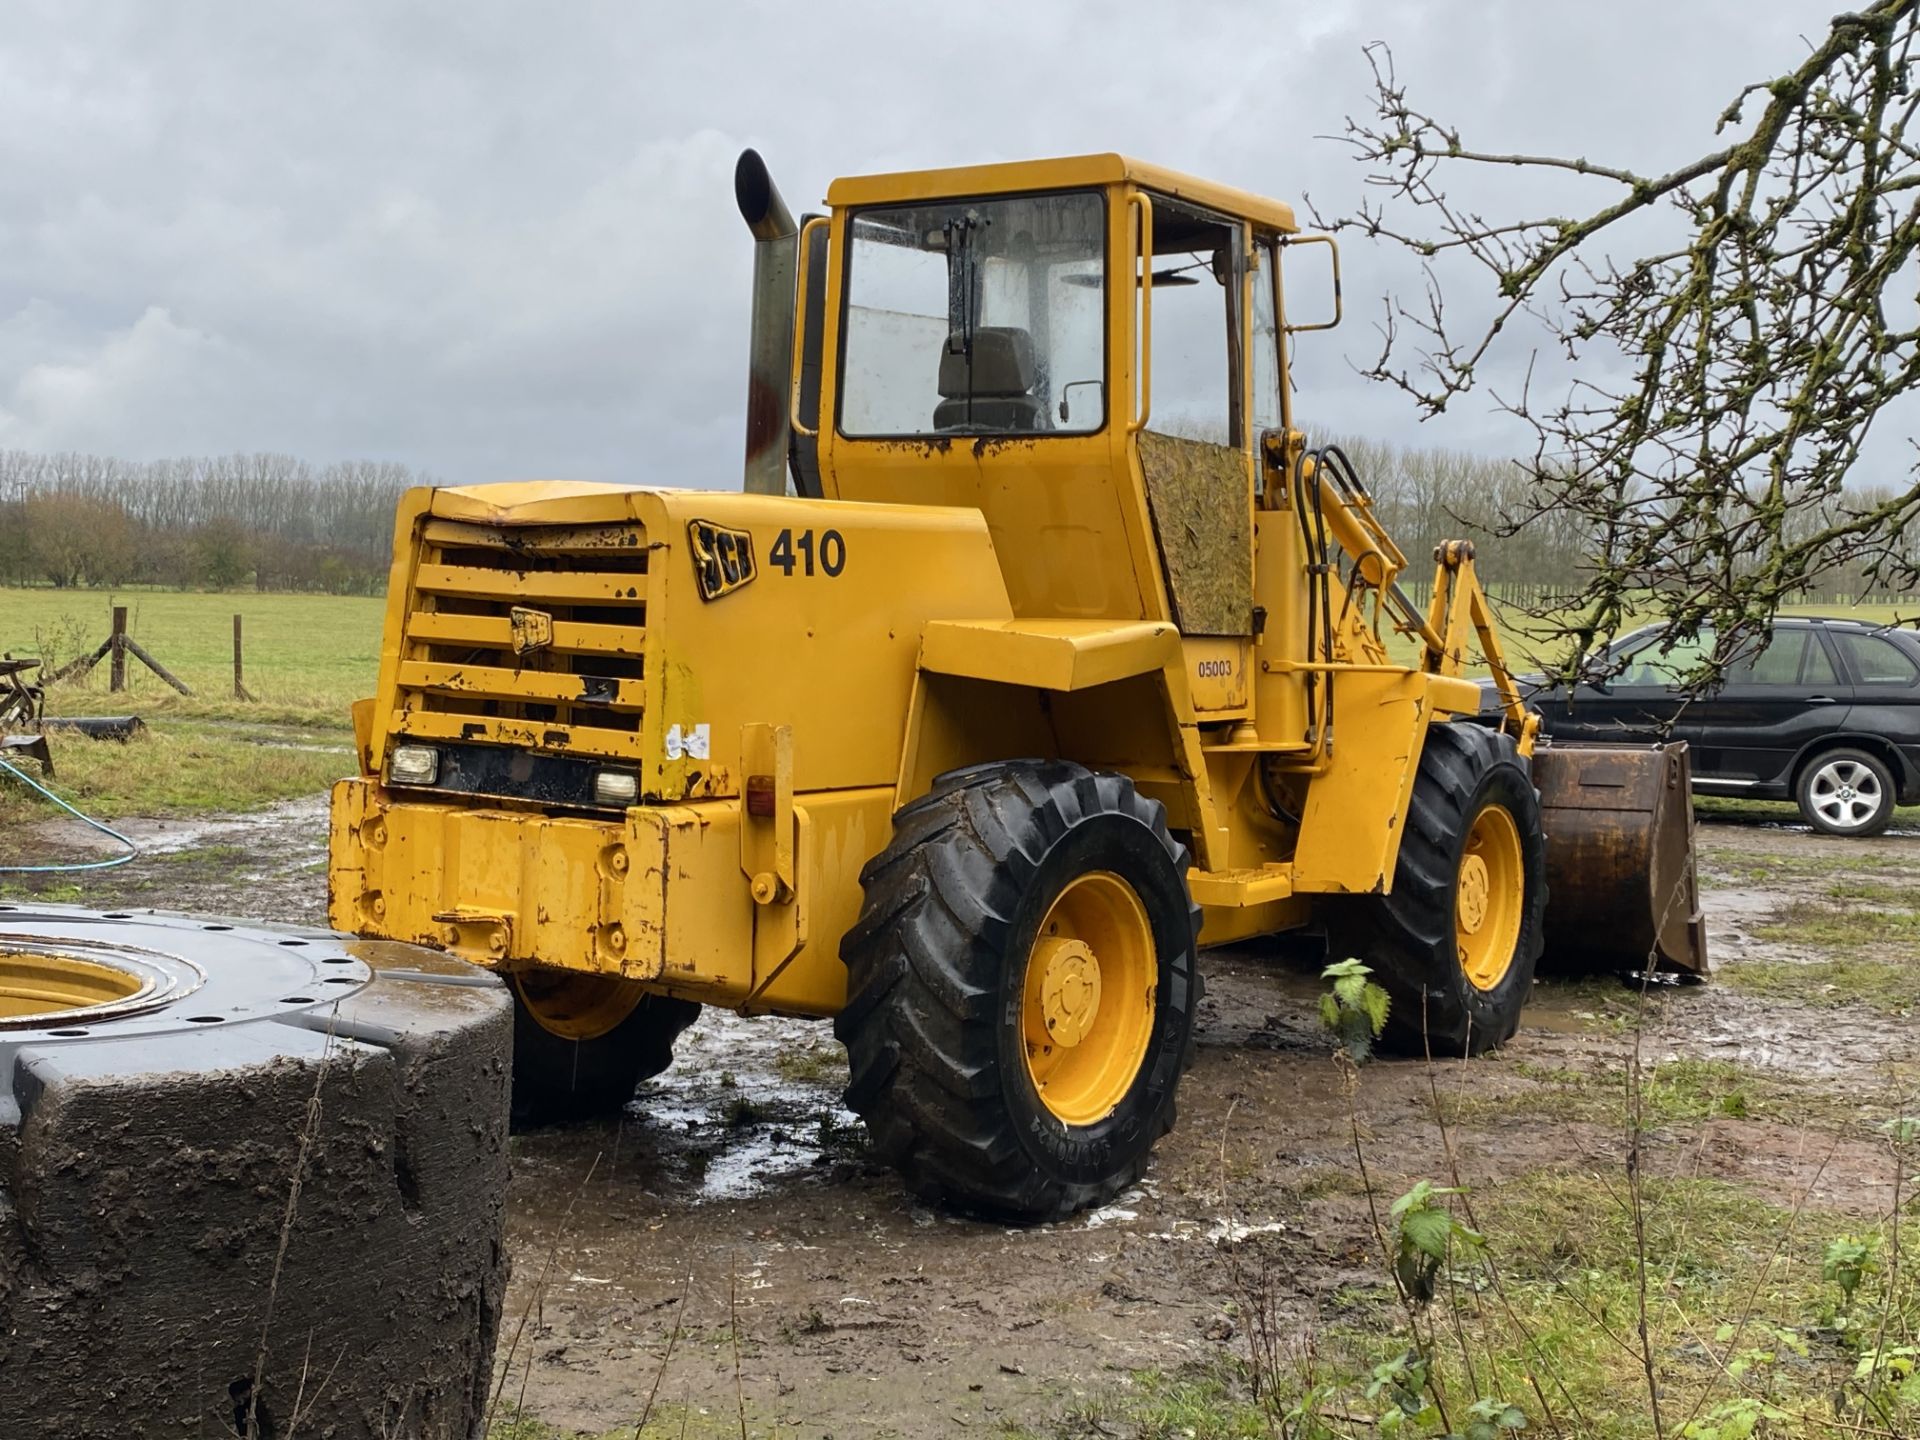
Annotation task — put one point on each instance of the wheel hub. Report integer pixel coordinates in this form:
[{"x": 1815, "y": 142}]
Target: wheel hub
[
  {"x": 1069, "y": 989},
  {"x": 1088, "y": 998},
  {"x": 1474, "y": 885},
  {"x": 1489, "y": 897}
]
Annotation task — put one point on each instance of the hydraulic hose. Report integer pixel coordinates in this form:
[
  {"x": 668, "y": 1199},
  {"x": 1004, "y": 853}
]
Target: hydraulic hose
[{"x": 133, "y": 849}]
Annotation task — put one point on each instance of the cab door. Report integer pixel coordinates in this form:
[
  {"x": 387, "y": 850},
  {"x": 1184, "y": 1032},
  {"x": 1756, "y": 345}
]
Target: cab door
[{"x": 1192, "y": 439}]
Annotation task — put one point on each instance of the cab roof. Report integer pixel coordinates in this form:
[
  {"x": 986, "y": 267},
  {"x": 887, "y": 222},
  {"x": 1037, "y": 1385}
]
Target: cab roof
[{"x": 1069, "y": 172}]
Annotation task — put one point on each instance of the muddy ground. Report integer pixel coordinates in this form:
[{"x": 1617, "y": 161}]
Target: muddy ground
[{"x": 733, "y": 1211}]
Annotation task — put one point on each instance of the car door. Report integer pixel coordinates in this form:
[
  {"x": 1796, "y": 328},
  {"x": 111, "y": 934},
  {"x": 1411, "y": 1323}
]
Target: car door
[
  {"x": 1772, "y": 704},
  {"x": 1638, "y": 704},
  {"x": 1884, "y": 681}
]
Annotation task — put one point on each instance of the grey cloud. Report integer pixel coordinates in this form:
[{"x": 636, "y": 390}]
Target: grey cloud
[{"x": 495, "y": 240}]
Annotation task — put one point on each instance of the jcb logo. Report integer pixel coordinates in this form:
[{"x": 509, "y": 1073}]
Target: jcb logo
[{"x": 722, "y": 558}]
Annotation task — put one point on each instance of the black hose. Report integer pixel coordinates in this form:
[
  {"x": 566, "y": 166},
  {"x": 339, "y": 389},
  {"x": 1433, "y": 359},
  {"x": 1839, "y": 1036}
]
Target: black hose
[
  {"x": 1313, "y": 532},
  {"x": 1306, "y": 543},
  {"x": 1323, "y": 569}
]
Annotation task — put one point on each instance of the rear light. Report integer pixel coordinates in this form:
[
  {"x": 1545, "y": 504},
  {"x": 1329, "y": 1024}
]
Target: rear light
[
  {"x": 413, "y": 765},
  {"x": 760, "y": 796},
  {"x": 616, "y": 787}
]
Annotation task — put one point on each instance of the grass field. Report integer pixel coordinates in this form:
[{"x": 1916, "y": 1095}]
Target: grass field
[{"x": 308, "y": 657}]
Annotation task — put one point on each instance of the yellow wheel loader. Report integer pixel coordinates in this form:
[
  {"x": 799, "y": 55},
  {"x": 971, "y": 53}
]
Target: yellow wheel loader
[{"x": 1067, "y": 657}]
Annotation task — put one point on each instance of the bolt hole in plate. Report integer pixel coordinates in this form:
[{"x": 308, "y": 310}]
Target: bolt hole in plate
[{"x": 72, "y": 974}]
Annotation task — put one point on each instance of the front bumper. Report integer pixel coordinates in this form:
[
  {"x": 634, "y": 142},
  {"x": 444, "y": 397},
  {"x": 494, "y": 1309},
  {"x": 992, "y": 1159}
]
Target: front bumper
[{"x": 661, "y": 894}]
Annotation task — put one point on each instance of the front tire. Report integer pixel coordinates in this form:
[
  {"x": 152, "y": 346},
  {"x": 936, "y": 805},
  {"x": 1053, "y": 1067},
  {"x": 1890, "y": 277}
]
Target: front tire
[
  {"x": 1846, "y": 792},
  {"x": 1021, "y": 989},
  {"x": 1456, "y": 941},
  {"x": 583, "y": 1043}
]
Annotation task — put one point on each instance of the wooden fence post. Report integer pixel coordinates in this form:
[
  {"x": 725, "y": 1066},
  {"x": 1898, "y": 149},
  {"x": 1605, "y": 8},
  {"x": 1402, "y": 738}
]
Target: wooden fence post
[
  {"x": 239, "y": 683},
  {"x": 119, "y": 642}
]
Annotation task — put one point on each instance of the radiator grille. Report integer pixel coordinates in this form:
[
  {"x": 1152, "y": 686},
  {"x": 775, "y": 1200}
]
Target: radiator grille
[{"x": 462, "y": 676}]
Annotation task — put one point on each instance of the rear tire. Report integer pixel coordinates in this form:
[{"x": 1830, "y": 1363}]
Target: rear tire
[
  {"x": 1472, "y": 870},
  {"x": 157, "y": 1276},
  {"x": 570, "y": 1078},
  {"x": 1846, "y": 792},
  {"x": 1021, "y": 989}
]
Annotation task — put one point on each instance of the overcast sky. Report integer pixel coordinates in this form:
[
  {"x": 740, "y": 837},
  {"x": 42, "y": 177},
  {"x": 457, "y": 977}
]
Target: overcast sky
[{"x": 498, "y": 240}]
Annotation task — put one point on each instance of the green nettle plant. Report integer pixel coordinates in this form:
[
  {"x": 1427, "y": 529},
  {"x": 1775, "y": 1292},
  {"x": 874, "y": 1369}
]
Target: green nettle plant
[
  {"x": 1399, "y": 1390},
  {"x": 1426, "y": 1236},
  {"x": 1489, "y": 1418},
  {"x": 1738, "y": 1419},
  {"x": 1848, "y": 1261},
  {"x": 1355, "y": 1009}
]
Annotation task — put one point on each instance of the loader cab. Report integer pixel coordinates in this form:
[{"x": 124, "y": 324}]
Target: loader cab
[{"x": 1086, "y": 351}]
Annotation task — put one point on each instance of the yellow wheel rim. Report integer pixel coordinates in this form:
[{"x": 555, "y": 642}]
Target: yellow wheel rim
[
  {"x": 33, "y": 985},
  {"x": 1489, "y": 895},
  {"x": 1087, "y": 1014},
  {"x": 577, "y": 1007}
]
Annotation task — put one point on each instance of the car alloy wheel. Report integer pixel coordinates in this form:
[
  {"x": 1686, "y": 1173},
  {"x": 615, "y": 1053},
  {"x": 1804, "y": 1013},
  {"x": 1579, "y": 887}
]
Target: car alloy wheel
[{"x": 1846, "y": 794}]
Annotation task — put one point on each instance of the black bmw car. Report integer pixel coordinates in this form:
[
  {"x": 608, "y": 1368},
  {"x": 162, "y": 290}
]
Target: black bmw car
[{"x": 1826, "y": 714}]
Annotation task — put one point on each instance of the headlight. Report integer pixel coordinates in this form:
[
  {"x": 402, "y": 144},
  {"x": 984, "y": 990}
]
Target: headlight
[
  {"x": 616, "y": 787},
  {"x": 413, "y": 765}
]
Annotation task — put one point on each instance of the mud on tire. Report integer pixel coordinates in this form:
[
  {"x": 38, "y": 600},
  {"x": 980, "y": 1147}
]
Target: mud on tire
[
  {"x": 936, "y": 980},
  {"x": 150, "y": 1282},
  {"x": 557, "y": 1081},
  {"x": 1407, "y": 936}
]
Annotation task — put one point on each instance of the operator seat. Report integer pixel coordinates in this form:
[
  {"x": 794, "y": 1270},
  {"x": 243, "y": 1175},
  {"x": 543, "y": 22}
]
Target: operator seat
[{"x": 1003, "y": 376}]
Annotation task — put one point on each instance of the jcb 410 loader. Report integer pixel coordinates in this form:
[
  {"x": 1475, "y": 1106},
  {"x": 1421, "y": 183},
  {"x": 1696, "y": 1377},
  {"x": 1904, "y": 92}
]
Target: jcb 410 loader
[{"x": 1068, "y": 658}]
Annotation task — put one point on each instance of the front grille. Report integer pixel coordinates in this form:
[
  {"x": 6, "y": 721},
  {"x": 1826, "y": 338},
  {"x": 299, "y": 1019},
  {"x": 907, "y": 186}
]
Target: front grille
[{"x": 460, "y": 676}]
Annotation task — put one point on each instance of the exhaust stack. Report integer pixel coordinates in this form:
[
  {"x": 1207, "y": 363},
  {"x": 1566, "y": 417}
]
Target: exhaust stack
[{"x": 770, "y": 356}]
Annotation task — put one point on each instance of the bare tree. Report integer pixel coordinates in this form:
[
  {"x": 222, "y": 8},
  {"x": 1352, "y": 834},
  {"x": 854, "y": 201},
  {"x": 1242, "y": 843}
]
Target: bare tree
[
  {"x": 1750, "y": 358},
  {"x": 76, "y": 539}
]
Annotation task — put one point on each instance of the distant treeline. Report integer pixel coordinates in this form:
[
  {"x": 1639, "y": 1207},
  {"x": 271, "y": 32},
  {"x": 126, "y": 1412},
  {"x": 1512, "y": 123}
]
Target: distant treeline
[
  {"x": 266, "y": 522},
  {"x": 273, "y": 522},
  {"x": 1427, "y": 495}
]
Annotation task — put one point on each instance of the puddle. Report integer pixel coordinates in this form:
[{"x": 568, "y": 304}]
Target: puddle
[
  {"x": 292, "y": 831},
  {"x": 1794, "y": 826},
  {"x": 748, "y": 1106}
]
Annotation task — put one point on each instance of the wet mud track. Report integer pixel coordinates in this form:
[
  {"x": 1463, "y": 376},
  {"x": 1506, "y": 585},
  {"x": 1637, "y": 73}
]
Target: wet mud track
[{"x": 734, "y": 1203}]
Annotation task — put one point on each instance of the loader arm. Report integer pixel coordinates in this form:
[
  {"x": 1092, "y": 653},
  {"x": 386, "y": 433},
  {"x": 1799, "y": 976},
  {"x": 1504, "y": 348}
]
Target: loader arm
[
  {"x": 1459, "y": 603},
  {"x": 1620, "y": 854}
]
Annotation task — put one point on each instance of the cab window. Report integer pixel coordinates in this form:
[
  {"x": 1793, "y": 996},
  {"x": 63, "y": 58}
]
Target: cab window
[
  {"x": 1266, "y": 341},
  {"x": 1196, "y": 331},
  {"x": 976, "y": 317}
]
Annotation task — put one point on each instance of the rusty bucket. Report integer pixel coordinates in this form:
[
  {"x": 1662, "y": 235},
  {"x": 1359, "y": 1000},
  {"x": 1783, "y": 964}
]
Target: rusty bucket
[{"x": 1621, "y": 890}]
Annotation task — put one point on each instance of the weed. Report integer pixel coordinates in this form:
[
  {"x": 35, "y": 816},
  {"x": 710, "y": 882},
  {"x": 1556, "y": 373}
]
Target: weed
[
  {"x": 1355, "y": 1009},
  {"x": 826, "y": 1065}
]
